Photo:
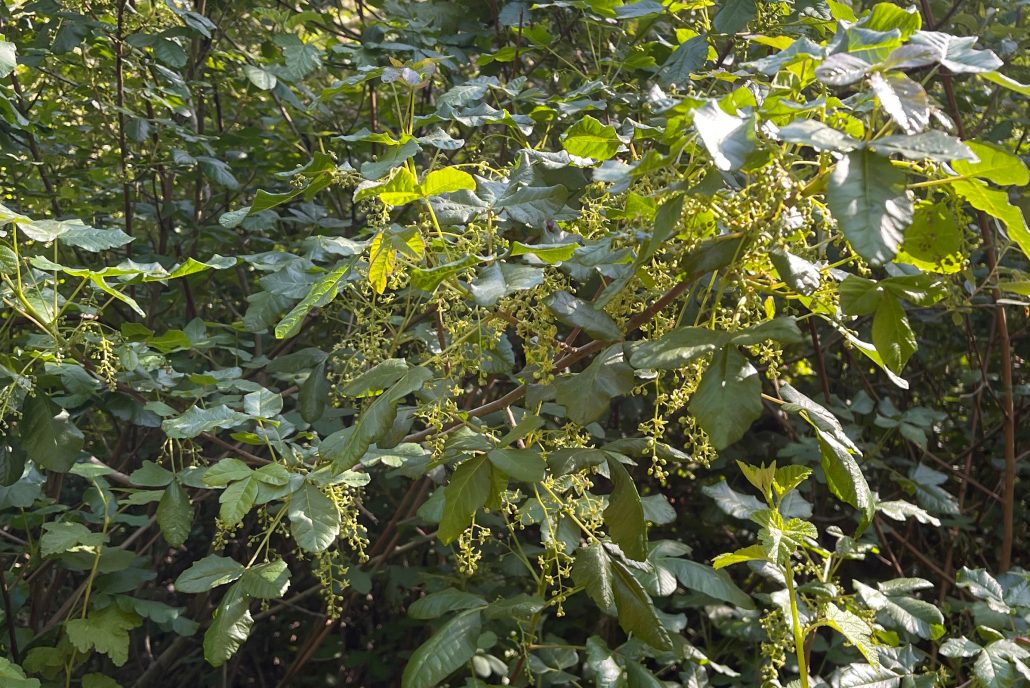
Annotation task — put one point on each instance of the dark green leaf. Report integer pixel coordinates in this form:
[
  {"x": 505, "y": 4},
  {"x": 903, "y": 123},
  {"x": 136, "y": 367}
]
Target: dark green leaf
[
  {"x": 624, "y": 515},
  {"x": 314, "y": 394},
  {"x": 526, "y": 465},
  {"x": 465, "y": 494},
  {"x": 230, "y": 627},
  {"x": 868, "y": 199},
  {"x": 593, "y": 571},
  {"x": 314, "y": 519},
  {"x": 51, "y": 441},
  {"x": 175, "y": 515},
  {"x": 208, "y": 573},
  {"x": 734, "y": 16},
  {"x": 587, "y": 395},
  {"x": 437, "y": 604},
  {"x": 728, "y": 399},
  {"x": 688, "y": 57},
  {"x": 267, "y": 581},
  {"x": 636, "y": 612},
  {"x": 445, "y": 652}
]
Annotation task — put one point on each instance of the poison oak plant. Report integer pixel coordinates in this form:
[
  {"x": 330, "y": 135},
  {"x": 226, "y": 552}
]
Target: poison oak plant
[{"x": 431, "y": 343}]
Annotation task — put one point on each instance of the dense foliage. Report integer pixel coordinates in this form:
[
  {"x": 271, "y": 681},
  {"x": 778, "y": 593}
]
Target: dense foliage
[{"x": 464, "y": 342}]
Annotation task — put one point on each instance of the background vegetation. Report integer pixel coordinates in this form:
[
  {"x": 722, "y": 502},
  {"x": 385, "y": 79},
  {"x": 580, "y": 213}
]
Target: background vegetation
[{"x": 573, "y": 342}]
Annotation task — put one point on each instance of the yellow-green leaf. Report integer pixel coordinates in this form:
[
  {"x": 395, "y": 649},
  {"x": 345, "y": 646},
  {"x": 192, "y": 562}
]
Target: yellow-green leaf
[
  {"x": 447, "y": 180},
  {"x": 588, "y": 138}
]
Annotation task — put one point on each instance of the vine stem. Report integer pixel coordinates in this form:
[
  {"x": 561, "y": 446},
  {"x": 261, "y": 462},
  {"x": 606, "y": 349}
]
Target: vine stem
[{"x": 799, "y": 635}]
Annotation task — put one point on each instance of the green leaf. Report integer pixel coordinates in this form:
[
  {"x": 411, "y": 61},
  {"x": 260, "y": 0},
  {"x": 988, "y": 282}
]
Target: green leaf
[
  {"x": 395, "y": 157},
  {"x": 809, "y": 132},
  {"x": 841, "y": 69},
  {"x": 886, "y": 17},
  {"x": 226, "y": 471},
  {"x": 789, "y": 477},
  {"x": 197, "y": 420},
  {"x": 263, "y": 403},
  {"x": 867, "y": 197},
  {"x": 346, "y": 447},
  {"x": 930, "y": 145},
  {"x": 261, "y": 78},
  {"x": 729, "y": 139},
  {"x": 728, "y": 400},
  {"x": 169, "y": 52},
  {"x": 106, "y": 631},
  {"x": 237, "y": 500},
  {"x": 175, "y": 515},
  {"x": 935, "y": 241},
  {"x": 901, "y": 611},
  {"x": 314, "y": 394},
  {"x": 750, "y": 553},
  {"x": 447, "y": 180},
  {"x": 607, "y": 672},
  {"x": 994, "y": 164},
  {"x": 688, "y": 57},
  {"x": 624, "y": 515},
  {"x": 230, "y": 627},
  {"x": 762, "y": 477},
  {"x": 526, "y": 465},
  {"x": 783, "y": 329},
  {"x": 322, "y": 293},
  {"x": 548, "y": 253},
  {"x": 384, "y": 249},
  {"x": 1007, "y": 82},
  {"x": 98, "y": 681},
  {"x": 498, "y": 280},
  {"x": 576, "y": 312},
  {"x": 466, "y": 493},
  {"x": 996, "y": 204},
  {"x": 93, "y": 239},
  {"x": 52, "y": 442},
  {"x": 60, "y": 537},
  {"x": 892, "y": 335},
  {"x": 734, "y": 16},
  {"x": 267, "y": 581},
  {"x": 636, "y": 612},
  {"x": 853, "y": 627},
  {"x": 428, "y": 279},
  {"x": 12, "y": 464},
  {"x": 314, "y": 519},
  {"x": 957, "y": 53},
  {"x": 12, "y": 674},
  {"x": 677, "y": 348},
  {"x": 844, "y": 476},
  {"x": 705, "y": 579},
  {"x": 798, "y": 273},
  {"x": 1001, "y": 665},
  {"x": 903, "y": 99},
  {"x": 398, "y": 189},
  {"x": 151, "y": 475},
  {"x": 445, "y": 652},
  {"x": 587, "y": 395},
  {"x": 588, "y": 138},
  {"x": 376, "y": 379},
  {"x": 533, "y": 205},
  {"x": 192, "y": 266},
  {"x": 592, "y": 571},
  {"x": 436, "y": 604},
  {"x": 208, "y": 573}
]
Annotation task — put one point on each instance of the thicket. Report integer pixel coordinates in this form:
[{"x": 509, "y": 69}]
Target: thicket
[{"x": 470, "y": 343}]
